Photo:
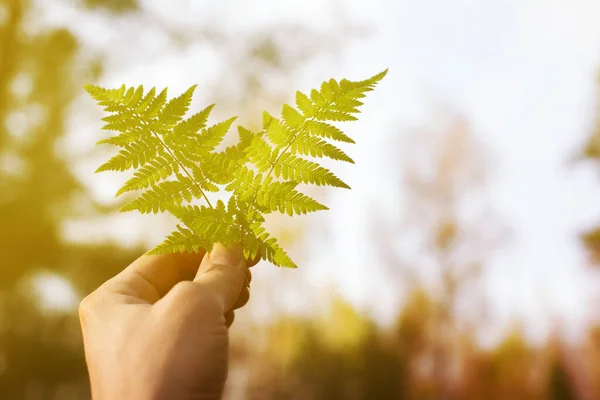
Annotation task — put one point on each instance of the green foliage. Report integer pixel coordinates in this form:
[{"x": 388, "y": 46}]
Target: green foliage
[{"x": 176, "y": 161}]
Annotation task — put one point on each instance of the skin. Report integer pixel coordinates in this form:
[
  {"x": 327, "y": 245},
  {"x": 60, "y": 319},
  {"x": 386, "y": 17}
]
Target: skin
[{"x": 159, "y": 329}]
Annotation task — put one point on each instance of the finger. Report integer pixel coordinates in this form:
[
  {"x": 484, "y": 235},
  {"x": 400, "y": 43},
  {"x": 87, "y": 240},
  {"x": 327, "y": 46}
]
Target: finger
[
  {"x": 242, "y": 299},
  {"x": 222, "y": 273},
  {"x": 248, "y": 277},
  {"x": 229, "y": 317},
  {"x": 254, "y": 261},
  {"x": 149, "y": 278}
]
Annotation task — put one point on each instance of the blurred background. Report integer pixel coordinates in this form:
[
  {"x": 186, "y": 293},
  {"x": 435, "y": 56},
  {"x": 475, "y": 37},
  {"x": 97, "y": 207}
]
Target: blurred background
[{"x": 463, "y": 264}]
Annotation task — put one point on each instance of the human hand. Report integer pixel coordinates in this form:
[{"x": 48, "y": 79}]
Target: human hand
[{"x": 159, "y": 329}]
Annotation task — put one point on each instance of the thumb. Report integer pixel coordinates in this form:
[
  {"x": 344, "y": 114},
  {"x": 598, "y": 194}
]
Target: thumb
[{"x": 223, "y": 272}]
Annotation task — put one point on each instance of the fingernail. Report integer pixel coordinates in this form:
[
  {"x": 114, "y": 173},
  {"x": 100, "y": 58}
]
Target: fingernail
[{"x": 231, "y": 255}]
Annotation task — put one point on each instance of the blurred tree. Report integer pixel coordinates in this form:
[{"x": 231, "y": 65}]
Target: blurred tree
[
  {"x": 509, "y": 371},
  {"x": 560, "y": 386},
  {"x": 120, "y": 6},
  {"x": 40, "y": 353},
  {"x": 455, "y": 230},
  {"x": 341, "y": 357},
  {"x": 591, "y": 152},
  {"x": 413, "y": 344},
  {"x": 588, "y": 363}
]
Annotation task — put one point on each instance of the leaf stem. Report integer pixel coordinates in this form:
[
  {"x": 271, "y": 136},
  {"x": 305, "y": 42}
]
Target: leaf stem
[
  {"x": 178, "y": 162},
  {"x": 281, "y": 154}
]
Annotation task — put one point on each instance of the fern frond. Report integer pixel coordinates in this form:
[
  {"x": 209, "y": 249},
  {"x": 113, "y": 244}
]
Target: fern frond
[
  {"x": 156, "y": 105},
  {"x": 292, "y": 117},
  {"x": 300, "y": 170},
  {"x": 176, "y": 162},
  {"x": 260, "y": 242},
  {"x": 134, "y": 96},
  {"x": 145, "y": 102},
  {"x": 246, "y": 135},
  {"x": 333, "y": 115},
  {"x": 192, "y": 125},
  {"x": 164, "y": 196},
  {"x": 121, "y": 140},
  {"x": 158, "y": 169},
  {"x": 277, "y": 131},
  {"x": 182, "y": 240},
  {"x": 282, "y": 197},
  {"x": 237, "y": 153},
  {"x": 216, "y": 225},
  {"x": 260, "y": 153},
  {"x": 105, "y": 97},
  {"x": 176, "y": 108},
  {"x": 245, "y": 183},
  {"x": 305, "y": 104},
  {"x": 213, "y": 136},
  {"x": 315, "y": 147},
  {"x": 318, "y": 98},
  {"x": 336, "y": 101},
  {"x": 219, "y": 167},
  {"x": 325, "y": 130},
  {"x": 202, "y": 180},
  {"x": 134, "y": 155},
  {"x": 123, "y": 121}
]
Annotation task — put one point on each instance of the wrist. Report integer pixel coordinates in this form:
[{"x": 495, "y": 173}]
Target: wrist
[{"x": 121, "y": 389}]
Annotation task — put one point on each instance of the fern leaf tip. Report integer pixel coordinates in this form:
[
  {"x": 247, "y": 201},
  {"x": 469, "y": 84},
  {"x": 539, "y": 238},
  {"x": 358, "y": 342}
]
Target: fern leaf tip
[
  {"x": 121, "y": 191},
  {"x": 88, "y": 87}
]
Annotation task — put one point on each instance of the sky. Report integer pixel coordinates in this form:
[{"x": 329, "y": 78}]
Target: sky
[{"x": 521, "y": 72}]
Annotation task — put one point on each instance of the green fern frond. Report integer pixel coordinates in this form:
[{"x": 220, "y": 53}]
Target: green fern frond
[
  {"x": 315, "y": 147},
  {"x": 121, "y": 140},
  {"x": 175, "y": 109},
  {"x": 133, "y": 97},
  {"x": 245, "y": 184},
  {"x": 283, "y": 197},
  {"x": 305, "y": 104},
  {"x": 156, "y": 170},
  {"x": 145, "y": 102},
  {"x": 260, "y": 242},
  {"x": 334, "y": 115},
  {"x": 261, "y": 154},
  {"x": 165, "y": 195},
  {"x": 182, "y": 240},
  {"x": 192, "y": 125},
  {"x": 105, "y": 97},
  {"x": 124, "y": 121},
  {"x": 214, "y": 225},
  {"x": 213, "y": 136},
  {"x": 300, "y": 170},
  {"x": 176, "y": 162},
  {"x": 292, "y": 117},
  {"x": 219, "y": 167},
  {"x": 155, "y": 105},
  {"x": 236, "y": 154},
  {"x": 134, "y": 155},
  {"x": 277, "y": 131},
  {"x": 325, "y": 130},
  {"x": 202, "y": 180},
  {"x": 246, "y": 135}
]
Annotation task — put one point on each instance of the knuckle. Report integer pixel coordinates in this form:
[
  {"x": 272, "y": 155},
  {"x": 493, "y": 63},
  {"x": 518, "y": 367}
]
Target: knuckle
[
  {"x": 86, "y": 307},
  {"x": 184, "y": 290},
  {"x": 188, "y": 296}
]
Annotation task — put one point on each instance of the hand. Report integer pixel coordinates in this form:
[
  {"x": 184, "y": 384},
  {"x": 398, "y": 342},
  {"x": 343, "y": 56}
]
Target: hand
[{"x": 159, "y": 329}]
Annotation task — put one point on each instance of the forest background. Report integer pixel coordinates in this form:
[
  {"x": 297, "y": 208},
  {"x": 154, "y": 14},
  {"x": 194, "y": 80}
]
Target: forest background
[{"x": 462, "y": 265}]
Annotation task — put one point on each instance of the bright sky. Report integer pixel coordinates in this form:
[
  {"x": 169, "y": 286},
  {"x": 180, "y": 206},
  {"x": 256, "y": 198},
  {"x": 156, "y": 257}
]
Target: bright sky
[{"x": 522, "y": 72}]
